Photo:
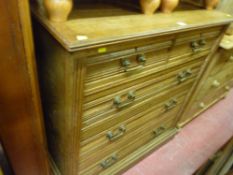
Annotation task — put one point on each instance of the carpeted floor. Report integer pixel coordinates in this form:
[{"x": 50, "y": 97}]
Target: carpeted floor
[{"x": 196, "y": 142}]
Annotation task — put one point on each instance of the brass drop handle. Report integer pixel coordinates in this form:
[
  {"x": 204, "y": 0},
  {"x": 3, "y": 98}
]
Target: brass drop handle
[
  {"x": 109, "y": 161},
  {"x": 159, "y": 131},
  {"x": 130, "y": 99},
  {"x": 216, "y": 83},
  {"x": 119, "y": 133},
  {"x": 171, "y": 104},
  {"x": 183, "y": 76},
  {"x": 141, "y": 59}
]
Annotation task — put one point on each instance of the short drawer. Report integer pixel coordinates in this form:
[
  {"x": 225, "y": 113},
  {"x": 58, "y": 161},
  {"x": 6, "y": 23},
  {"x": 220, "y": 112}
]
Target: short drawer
[
  {"x": 112, "y": 120},
  {"x": 108, "y": 155},
  {"x": 100, "y": 108}
]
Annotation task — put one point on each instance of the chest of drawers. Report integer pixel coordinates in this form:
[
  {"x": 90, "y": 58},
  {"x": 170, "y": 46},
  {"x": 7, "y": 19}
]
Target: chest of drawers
[{"x": 113, "y": 87}]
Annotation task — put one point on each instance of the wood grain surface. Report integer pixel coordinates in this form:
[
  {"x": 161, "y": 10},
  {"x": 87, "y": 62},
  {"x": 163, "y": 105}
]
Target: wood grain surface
[{"x": 21, "y": 123}]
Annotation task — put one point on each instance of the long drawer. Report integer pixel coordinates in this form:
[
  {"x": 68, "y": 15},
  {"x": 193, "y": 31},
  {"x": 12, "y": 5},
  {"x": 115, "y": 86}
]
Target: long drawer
[
  {"x": 113, "y": 115},
  {"x": 93, "y": 163}
]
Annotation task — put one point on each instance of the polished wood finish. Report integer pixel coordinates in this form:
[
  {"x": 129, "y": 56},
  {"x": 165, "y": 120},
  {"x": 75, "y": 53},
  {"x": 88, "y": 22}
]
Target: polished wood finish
[
  {"x": 21, "y": 122},
  {"x": 111, "y": 96}
]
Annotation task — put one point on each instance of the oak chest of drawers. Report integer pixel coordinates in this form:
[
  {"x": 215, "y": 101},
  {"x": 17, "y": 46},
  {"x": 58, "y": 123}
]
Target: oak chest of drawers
[{"x": 113, "y": 86}]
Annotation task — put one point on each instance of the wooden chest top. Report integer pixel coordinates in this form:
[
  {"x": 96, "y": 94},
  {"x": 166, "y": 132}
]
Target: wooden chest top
[{"x": 89, "y": 28}]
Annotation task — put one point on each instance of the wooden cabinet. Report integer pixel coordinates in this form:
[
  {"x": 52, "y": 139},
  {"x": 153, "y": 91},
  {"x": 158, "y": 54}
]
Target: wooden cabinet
[{"x": 113, "y": 86}]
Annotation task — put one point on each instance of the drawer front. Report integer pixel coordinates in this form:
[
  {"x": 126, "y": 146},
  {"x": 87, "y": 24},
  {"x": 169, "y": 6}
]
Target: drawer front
[
  {"x": 143, "y": 89},
  {"x": 114, "y": 151},
  {"x": 214, "y": 90},
  {"x": 121, "y": 115}
]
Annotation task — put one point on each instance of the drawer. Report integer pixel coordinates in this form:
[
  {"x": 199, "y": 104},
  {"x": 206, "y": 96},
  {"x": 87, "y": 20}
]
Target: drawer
[
  {"x": 186, "y": 46},
  {"x": 93, "y": 163},
  {"x": 217, "y": 81},
  {"x": 126, "y": 64},
  {"x": 149, "y": 86},
  {"x": 214, "y": 90},
  {"x": 121, "y": 116}
]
